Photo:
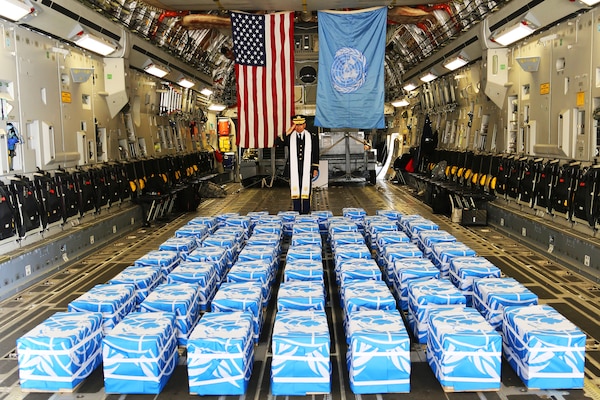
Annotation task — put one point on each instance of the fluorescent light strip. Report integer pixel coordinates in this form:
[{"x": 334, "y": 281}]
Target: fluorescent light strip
[
  {"x": 514, "y": 33},
  {"x": 455, "y": 63},
  {"x": 428, "y": 77},
  {"x": 400, "y": 103},
  {"x": 206, "y": 91},
  {"x": 409, "y": 87},
  {"x": 14, "y": 9},
  {"x": 590, "y": 2},
  {"x": 185, "y": 83},
  {"x": 217, "y": 107},
  {"x": 156, "y": 70},
  {"x": 93, "y": 43}
]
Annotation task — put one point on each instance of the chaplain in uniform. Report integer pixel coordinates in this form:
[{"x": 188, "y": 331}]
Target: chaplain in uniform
[{"x": 304, "y": 162}]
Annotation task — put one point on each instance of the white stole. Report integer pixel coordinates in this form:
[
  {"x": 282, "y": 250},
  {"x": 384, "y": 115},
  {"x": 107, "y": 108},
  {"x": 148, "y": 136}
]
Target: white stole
[{"x": 306, "y": 176}]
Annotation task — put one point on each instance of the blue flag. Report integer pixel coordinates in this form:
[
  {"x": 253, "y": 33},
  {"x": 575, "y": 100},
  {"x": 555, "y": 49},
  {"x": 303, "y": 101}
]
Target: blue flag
[{"x": 350, "y": 89}]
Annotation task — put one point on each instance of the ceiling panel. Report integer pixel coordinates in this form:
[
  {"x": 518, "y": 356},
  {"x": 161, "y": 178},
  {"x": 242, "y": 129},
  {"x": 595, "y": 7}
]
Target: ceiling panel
[{"x": 276, "y": 5}]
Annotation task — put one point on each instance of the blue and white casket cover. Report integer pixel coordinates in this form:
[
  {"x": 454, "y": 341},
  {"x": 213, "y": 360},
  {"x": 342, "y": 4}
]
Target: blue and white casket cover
[
  {"x": 140, "y": 354},
  {"x": 345, "y": 252},
  {"x": 301, "y": 347},
  {"x": 304, "y": 252},
  {"x": 491, "y": 295},
  {"x": 355, "y": 214},
  {"x": 240, "y": 221},
  {"x": 288, "y": 218},
  {"x": 341, "y": 224},
  {"x": 342, "y": 238},
  {"x": 442, "y": 253},
  {"x": 464, "y": 271},
  {"x": 322, "y": 219},
  {"x": 414, "y": 226},
  {"x": 246, "y": 296},
  {"x": 182, "y": 245},
  {"x": 305, "y": 227},
  {"x": 182, "y": 300},
  {"x": 210, "y": 222},
  {"x": 373, "y": 227},
  {"x": 145, "y": 279},
  {"x": 463, "y": 350},
  {"x": 405, "y": 219},
  {"x": 61, "y": 352},
  {"x": 239, "y": 232},
  {"x": 424, "y": 296},
  {"x": 166, "y": 260},
  {"x": 306, "y": 218},
  {"x": 408, "y": 270},
  {"x": 214, "y": 254},
  {"x": 267, "y": 253},
  {"x": 253, "y": 271},
  {"x": 427, "y": 238},
  {"x": 221, "y": 218},
  {"x": 365, "y": 295},
  {"x": 357, "y": 269},
  {"x": 220, "y": 354},
  {"x": 257, "y": 215},
  {"x": 545, "y": 349},
  {"x": 396, "y": 252},
  {"x": 113, "y": 301},
  {"x": 301, "y": 295},
  {"x": 378, "y": 355},
  {"x": 227, "y": 241},
  {"x": 203, "y": 274},
  {"x": 198, "y": 232},
  {"x": 302, "y": 238},
  {"x": 387, "y": 238},
  {"x": 266, "y": 239},
  {"x": 270, "y": 219},
  {"x": 303, "y": 270},
  {"x": 392, "y": 215},
  {"x": 268, "y": 227}
]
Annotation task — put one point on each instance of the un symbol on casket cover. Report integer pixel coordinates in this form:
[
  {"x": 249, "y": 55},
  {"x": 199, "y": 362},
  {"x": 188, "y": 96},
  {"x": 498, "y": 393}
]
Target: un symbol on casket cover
[{"x": 348, "y": 70}]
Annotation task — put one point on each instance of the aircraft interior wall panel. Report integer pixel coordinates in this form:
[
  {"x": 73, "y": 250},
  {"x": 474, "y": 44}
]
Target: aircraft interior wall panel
[
  {"x": 534, "y": 104},
  {"x": 114, "y": 126},
  {"x": 568, "y": 86},
  {"x": 77, "y": 108},
  {"x": 9, "y": 88},
  {"x": 38, "y": 91},
  {"x": 595, "y": 44}
]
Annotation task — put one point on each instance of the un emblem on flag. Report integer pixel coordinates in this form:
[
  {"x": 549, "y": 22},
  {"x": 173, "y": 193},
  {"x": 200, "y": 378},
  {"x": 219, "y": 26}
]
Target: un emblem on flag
[{"x": 348, "y": 70}]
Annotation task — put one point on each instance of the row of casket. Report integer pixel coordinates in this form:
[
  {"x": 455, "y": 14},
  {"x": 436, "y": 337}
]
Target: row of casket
[
  {"x": 170, "y": 287},
  {"x": 378, "y": 356},
  {"x": 448, "y": 276},
  {"x": 221, "y": 348},
  {"x": 301, "y": 344}
]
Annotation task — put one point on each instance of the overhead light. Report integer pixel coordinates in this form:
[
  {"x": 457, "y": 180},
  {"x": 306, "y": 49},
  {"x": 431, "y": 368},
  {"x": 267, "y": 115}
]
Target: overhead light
[
  {"x": 217, "y": 107},
  {"x": 14, "y": 9},
  {"x": 155, "y": 69},
  {"x": 410, "y": 86},
  {"x": 590, "y": 2},
  {"x": 428, "y": 77},
  {"x": 186, "y": 83},
  {"x": 523, "y": 28},
  {"x": 400, "y": 103},
  {"x": 456, "y": 62},
  {"x": 206, "y": 91},
  {"x": 91, "y": 42}
]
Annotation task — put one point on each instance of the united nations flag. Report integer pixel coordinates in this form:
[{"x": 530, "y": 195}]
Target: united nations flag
[{"x": 350, "y": 89}]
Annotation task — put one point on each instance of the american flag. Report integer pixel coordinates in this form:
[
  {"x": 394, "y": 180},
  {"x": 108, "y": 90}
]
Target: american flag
[{"x": 264, "y": 69}]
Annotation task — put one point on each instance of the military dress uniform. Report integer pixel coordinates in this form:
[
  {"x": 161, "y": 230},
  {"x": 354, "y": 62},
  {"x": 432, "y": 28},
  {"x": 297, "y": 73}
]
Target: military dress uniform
[{"x": 307, "y": 161}]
